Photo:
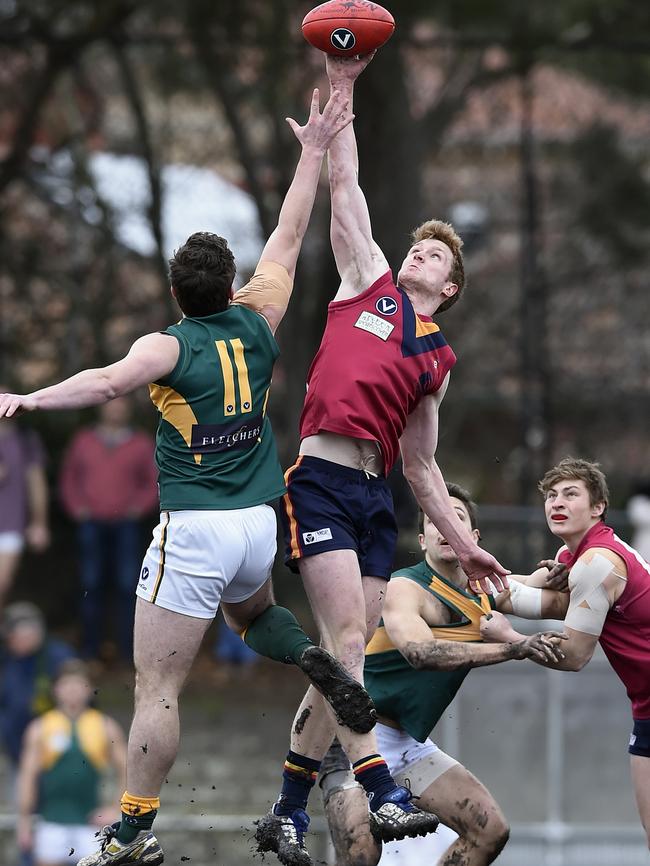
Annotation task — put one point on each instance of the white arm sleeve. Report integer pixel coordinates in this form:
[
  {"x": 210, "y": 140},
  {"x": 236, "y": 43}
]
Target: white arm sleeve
[{"x": 526, "y": 600}]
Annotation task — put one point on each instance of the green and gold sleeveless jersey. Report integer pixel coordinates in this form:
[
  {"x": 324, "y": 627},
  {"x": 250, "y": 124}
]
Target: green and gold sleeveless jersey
[
  {"x": 215, "y": 447},
  {"x": 74, "y": 756},
  {"x": 416, "y": 699}
]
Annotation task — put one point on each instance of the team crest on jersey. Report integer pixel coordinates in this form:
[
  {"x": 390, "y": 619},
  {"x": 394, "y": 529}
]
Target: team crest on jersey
[
  {"x": 387, "y": 306},
  {"x": 374, "y": 325}
]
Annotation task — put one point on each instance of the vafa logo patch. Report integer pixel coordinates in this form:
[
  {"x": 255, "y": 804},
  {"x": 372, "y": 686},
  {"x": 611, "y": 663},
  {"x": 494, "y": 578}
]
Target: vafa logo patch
[{"x": 387, "y": 306}]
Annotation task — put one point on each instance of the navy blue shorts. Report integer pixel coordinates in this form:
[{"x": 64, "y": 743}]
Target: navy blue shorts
[
  {"x": 332, "y": 507},
  {"x": 640, "y": 738}
]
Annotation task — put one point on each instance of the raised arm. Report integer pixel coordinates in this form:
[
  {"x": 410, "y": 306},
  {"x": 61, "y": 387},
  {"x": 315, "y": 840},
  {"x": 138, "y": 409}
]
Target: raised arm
[
  {"x": 149, "y": 359},
  {"x": 418, "y": 447},
  {"x": 408, "y": 629},
  {"x": 358, "y": 258},
  {"x": 269, "y": 290}
]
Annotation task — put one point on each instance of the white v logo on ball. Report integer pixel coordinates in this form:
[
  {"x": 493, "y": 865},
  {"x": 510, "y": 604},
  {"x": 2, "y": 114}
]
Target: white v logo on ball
[{"x": 343, "y": 38}]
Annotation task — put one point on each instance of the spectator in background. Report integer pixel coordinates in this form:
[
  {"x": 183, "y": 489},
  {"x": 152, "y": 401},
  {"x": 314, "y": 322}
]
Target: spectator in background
[
  {"x": 30, "y": 661},
  {"x": 23, "y": 499},
  {"x": 66, "y": 752},
  {"x": 108, "y": 484},
  {"x": 638, "y": 512}
]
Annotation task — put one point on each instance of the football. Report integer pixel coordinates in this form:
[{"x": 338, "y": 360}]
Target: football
[{"x": 348, "y": 27}]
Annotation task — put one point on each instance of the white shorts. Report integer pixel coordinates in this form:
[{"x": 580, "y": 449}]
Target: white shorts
[
  {"x": 11, "y": 542},
  {"x": 199, "y": 558},
  {"x": 54, "y": 842},
  {"x": 420, "y": 763}
]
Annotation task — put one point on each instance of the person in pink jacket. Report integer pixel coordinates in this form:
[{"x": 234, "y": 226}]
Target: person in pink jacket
[{"x": 108, "y": 484}]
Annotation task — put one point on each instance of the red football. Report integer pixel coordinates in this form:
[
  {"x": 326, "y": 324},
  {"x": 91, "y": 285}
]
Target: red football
[{"x": 348, "y": 27}]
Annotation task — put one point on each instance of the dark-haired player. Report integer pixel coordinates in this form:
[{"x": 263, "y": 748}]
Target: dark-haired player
[
  {"x": 427, "y": 642},
  {"x": 218, "y": 468},
  {"x": 374, "y": 389}
]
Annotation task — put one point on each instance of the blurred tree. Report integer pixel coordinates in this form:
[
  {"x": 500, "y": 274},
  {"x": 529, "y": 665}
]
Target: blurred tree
[{"x": 210, "y": 83}]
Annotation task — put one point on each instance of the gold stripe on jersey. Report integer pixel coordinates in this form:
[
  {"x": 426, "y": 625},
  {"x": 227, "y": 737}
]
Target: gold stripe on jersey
[
  {"x": 161, "y": 564},
  {"x": 466, "y": 630},
  {"x": 245, "y": 399},
  {"x": 229, "y": 407},
  {"x": 175, "y": 409},
  {"x": 56, "y": 733},
  {"x": 424, "y": 328}
]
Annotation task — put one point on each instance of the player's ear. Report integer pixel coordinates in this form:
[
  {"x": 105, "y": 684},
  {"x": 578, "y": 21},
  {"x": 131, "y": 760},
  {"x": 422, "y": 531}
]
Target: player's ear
[
  {"x": 598, "y": 509},
  {"x": 450, "y": 290},
  {"x": 476, "y": 535},
  {"x": 421, "y": 541}
]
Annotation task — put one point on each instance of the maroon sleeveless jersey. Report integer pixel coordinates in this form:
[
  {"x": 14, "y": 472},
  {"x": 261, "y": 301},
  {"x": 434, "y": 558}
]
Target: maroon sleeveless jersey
[
  {"x": 625, "y": 637},
  {"x": 376, "y": 361}
]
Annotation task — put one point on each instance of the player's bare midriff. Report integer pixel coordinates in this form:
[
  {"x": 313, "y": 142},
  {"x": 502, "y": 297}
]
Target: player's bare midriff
[{"x": 363, "y": 454}]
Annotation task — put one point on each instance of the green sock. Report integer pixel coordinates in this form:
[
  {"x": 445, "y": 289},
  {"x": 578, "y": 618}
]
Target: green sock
[
  {"x": 131, "y": 825},
  {"x": 277, "y": 635}
]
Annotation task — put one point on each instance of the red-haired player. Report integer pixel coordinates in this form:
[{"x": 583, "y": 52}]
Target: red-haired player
[{"x": 374, "y": 389}]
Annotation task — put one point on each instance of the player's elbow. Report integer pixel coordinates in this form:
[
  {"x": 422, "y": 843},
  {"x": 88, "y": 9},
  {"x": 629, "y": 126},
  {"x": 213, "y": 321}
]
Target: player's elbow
[
  {"x": 414, "y": 655},
  {"x": 415, "y": 659},
  {"x": 107, "y": 388},
  {"x": 428, "y": 657}
]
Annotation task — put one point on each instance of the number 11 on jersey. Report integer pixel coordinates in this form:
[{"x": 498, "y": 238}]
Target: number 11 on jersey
[{"x": 229, "y": 396}]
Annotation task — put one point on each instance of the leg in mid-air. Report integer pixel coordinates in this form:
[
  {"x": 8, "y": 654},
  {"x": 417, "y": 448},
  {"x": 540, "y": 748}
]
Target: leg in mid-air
[
  {"x": 346, "y": 810},
  {"x": 274, "y": 632},
  {"x": 165, "y": 645},
  {"x": 347, "y": 612}
]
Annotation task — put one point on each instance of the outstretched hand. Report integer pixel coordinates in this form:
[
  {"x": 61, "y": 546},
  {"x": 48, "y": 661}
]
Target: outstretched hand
[
  {"x": 320, "y": 129},
  {"x": 346, "y": 70},
  {"x": 482, "y": 569},
  {"x": 558, "y": 574},
  {"x": 544, "y": 647},
  {"x": 16, "y": 404}
]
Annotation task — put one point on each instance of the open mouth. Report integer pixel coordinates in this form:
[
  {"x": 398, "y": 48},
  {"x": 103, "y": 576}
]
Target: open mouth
[{"x": 558, "y": 518}]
